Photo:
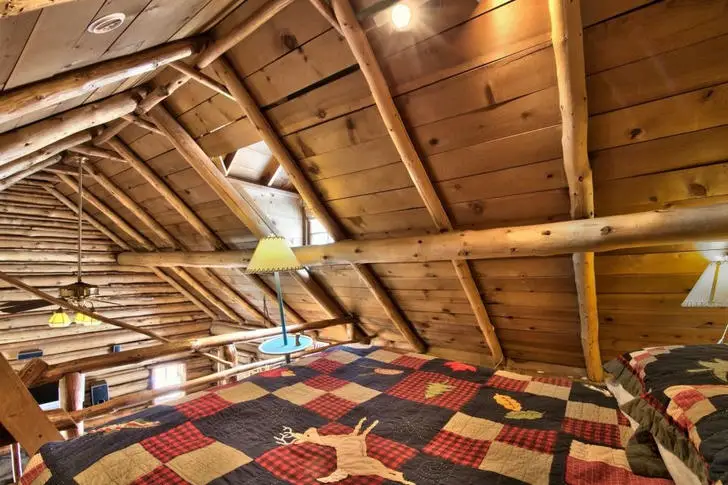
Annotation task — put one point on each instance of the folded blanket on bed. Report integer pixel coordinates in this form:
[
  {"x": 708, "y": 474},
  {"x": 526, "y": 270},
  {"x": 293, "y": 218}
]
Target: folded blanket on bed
[{"x": 361, "y": 415}]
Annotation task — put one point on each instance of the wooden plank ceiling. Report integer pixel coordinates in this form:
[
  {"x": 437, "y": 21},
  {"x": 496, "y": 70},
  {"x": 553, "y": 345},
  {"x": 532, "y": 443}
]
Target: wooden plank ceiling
[{"x": 475, "y": 83}]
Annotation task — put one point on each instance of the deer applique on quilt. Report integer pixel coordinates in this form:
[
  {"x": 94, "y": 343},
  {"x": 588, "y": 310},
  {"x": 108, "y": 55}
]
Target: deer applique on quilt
[{"x": 351, "y": 453}]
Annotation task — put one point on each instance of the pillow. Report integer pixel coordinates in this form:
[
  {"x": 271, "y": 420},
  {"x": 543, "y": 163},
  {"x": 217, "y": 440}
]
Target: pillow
[{"x": 683, "y": 400}]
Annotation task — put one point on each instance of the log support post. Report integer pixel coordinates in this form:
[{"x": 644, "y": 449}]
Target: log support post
[
  {"x": 16, "y": 462},
  {"x": 567, "y": 39},
  {"x": 73, "y": 391},
  {"x": 359, "y": 44},
  {"x": 230, "y": 354}
]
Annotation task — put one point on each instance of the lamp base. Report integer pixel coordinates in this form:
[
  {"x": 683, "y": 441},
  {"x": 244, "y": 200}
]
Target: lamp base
[{"x": 275, "y": 346}]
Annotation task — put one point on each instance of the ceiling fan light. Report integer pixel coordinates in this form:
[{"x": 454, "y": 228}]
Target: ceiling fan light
[
  {"x": 59, "y": 319},
  {"x": 85, "y": 320}
]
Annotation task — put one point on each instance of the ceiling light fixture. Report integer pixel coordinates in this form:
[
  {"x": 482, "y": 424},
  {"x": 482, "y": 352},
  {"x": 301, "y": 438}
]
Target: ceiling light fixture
[
  {"x": 401, "y": 16},
  {"x": 106, "y": 24}
]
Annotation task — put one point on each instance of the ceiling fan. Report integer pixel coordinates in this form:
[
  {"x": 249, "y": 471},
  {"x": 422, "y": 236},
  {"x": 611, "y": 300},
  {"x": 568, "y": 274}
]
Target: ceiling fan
[{"x": 79, "y": 293}]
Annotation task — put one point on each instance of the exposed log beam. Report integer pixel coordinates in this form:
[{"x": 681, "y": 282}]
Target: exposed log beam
[
  {"x": 23, "y": 141},
  {"x": 189, "y": 215},
  {"x": 239, "y": 202},
  {"x": 326, "y": 11},
  {"x": 134, "y": 356},
  {"x": 37, "y": 157},
  {"x": 310, "y": 197},
  {"x": 217, "y": 48},
  {"x": 142, "y": 123},
  {"x": 147, "y": 245},
  {"x": 92, "y": 151},
  {"x": 641, "y": 229},
  {"x": 9, "y": 8},
  {"x": 357, "y": 40},
  {"x": 14, "y": 179},
  {"x": 568, "y": 42},
  {"x": 201, "y": 78},
  {"x": 62, "y": 87},
  {"x": 20, "y": 414}
]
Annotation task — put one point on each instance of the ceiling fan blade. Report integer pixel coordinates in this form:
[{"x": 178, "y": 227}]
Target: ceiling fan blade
[{"x": 12, "y": 307}]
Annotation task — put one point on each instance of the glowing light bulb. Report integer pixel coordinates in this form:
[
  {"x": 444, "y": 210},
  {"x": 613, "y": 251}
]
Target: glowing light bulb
[{"x": 401, "y": 16}]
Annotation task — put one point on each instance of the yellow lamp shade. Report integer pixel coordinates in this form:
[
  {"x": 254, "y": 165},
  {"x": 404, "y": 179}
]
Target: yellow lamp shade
[
  {"x": 85, "y": 320},
  {"x": 272, "y": 254},
  {"x": 59, "y": 319},
  {"x": 711, "y": 290}
]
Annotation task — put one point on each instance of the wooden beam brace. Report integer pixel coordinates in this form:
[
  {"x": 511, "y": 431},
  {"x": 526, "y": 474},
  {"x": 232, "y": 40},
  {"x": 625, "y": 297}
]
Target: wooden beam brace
[
  {"x": 62, "y": 87},
  {"x": 147, "y": 245},
  {"x": 9, "y": 8},
  {"x": 238, "y": 201},
  {"x": 201, "y": 78},
  {"x": 134, "y": 356},
  {"x": 310, "y": 197},
  {"x": 142, "y": 123},
  {"x": 20, "y": 414},
  {"x": 91, "y": 151},
  {"x": 567, "y": 39},
  {"x": 357, "y": 40},
  {"x": 37, "y": 157},
  {"x": 214, "y": 50},
  {"x": 641, "y": 229},
  {"x": 193, "y": 219},
  {"x": 326, "y": 11},
  {"x": 27, "y": 139}
]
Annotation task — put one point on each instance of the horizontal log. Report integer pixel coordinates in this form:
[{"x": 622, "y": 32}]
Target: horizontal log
[
  {"x": 28, "y": 172},
  {"x": 695, "y": 224},
  {"x": 96, "y": 152},
  {"x": 61, "y": 87},
  {"x": 27, "y": 139},
  {"x": 68, "y": 420},
  {"x": 43, "y": 154},
  {"x": 55, "y": 372}
]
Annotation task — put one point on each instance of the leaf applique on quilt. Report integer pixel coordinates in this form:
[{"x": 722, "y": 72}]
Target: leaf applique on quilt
[
  {"x": 524, "y": 415},
  {"x": 507, "y": 402},
  {"x": 460, "y": 367},
  {"x": 719, "y": 367},
  {"x": 387, "y": 372},
  {"x": 515, "y": 408},
  {"x": 435, "y": 389}
]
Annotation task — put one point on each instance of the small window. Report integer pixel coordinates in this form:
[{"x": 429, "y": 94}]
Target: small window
[
  {"x": 317, "y": 233},
  {"x": 169, "y": 375}
]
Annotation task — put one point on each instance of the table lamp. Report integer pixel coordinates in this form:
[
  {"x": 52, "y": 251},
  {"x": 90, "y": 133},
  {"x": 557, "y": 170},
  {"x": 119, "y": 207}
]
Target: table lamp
[
  {"x": 273, "y": 255},
  {"x": 711, "y": 290}
]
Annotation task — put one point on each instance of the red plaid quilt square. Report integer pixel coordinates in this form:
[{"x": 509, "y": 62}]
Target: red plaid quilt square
[
  {"x": 303, "y": 464},
  {"x": 540, "y": 440},
  {"x": 177, "y": 441},
  {"x": 325, "y": 365},
  {"x": 435, "y": 389},
  {"x": 554, "y": 381},
  {"x": 325, "y": 383},
  {"x": 688, "y": 398},
  {"x": 458, "y": 449},
  {"x": 595, "y": 432},
  {"x": 206, "y": 405},
  {"x": 409, "y": 361},
  {"x": 30, "y": 475},
  {"x": 161, "y": 476},
  {"x": 330, "y": 406},
  {"x": 507, "y": 384},
  {"x": 622, "y": 419}
]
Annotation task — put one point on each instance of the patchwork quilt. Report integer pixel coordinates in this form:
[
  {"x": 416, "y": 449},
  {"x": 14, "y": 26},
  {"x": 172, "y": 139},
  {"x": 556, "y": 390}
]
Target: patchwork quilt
[
  {"x": 683, "y": 400},
  {"x": 360, "y": 415}
]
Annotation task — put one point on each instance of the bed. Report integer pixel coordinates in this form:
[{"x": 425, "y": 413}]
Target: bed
[{"x": 360, "y": 415}]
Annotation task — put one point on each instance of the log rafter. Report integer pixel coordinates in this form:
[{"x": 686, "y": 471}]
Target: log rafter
[
  {"x": 189, "y": 215},
  {"x": 311, "y": 198},
  {"x": 144, "y": 243},
  {"x": 172, "y": 242},
  {"x": 238, "y": 201},
  {"x": 568, "y": 42},
  {"x": 357, "y": 40}
]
